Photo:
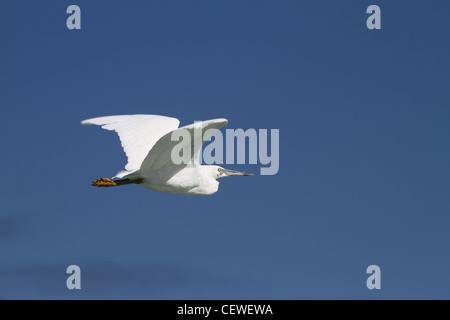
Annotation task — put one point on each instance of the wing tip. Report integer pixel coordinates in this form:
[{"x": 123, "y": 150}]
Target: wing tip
[
  {"x": 222, "y": 121},
  {"x": 218, "y": 120}
]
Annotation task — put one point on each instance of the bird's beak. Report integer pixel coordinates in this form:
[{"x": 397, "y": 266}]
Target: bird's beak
[{"x": 236, "y": 173}]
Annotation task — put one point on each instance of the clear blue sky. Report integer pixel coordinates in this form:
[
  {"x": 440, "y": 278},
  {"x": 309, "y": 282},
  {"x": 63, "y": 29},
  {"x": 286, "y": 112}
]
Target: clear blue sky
[{"x": 364, "y": 149}]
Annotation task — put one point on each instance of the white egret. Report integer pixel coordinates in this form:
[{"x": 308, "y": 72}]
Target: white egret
[{"x": 147, "y": 142}]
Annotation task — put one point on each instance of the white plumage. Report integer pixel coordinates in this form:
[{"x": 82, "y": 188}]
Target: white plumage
[
  {"x": 147, "y": 142},
  {"x": 138, "y": 134}
]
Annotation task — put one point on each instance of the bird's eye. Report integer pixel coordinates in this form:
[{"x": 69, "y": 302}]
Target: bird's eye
[{"x": 220, "y": 170}]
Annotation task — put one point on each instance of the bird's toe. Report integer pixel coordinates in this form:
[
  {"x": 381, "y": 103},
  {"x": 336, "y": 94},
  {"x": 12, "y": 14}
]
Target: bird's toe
[{"x": 103, "y": 182}]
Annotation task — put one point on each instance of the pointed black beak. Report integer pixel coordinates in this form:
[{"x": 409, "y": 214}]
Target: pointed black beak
[{"x": 237, "y": 173}]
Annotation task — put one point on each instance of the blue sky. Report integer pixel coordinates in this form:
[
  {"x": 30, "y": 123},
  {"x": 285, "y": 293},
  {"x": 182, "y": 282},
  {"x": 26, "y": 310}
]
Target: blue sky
[{"x": 364, "y": 149}]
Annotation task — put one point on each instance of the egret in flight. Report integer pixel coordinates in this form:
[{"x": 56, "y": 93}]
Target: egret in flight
[{"x": 147, "y": 142}]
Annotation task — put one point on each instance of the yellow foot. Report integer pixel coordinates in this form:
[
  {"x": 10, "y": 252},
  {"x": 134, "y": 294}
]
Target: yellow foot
[{"x": 104, "y": 182}]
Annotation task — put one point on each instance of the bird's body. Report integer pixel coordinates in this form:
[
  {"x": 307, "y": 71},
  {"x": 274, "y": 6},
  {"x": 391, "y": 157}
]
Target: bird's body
[
  {"x": 197, "y": 180},
  {"x": 148, "y": 142}
]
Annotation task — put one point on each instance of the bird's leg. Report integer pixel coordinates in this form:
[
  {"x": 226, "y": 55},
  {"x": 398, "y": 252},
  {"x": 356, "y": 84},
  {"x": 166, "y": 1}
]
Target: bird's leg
[{"x": 105, "y": 182}]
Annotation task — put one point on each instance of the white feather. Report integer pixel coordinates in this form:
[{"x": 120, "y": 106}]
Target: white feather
[
  {"x": 160, "y": 155},
  {"x": 138, "y": 134},
  {"x": 147, "y": 141}
]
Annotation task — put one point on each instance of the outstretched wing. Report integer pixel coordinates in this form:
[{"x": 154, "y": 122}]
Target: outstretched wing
[
  {"x": 138, "y": 133},
  {"x": 160, "y": 155}
]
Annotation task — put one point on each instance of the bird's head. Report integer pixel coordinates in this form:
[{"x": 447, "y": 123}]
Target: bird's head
[{"x": 219, "y": 172}]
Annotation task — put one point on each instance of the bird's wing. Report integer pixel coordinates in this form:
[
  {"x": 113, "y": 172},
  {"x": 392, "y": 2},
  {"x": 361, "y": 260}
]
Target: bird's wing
[
  {"x": 138, "y": 133},
  {"x": 160, "y": 155}
]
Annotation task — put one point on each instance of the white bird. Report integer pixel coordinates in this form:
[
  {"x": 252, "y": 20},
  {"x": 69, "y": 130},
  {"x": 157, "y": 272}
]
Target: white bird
[{"x": 147, "y": 142}]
